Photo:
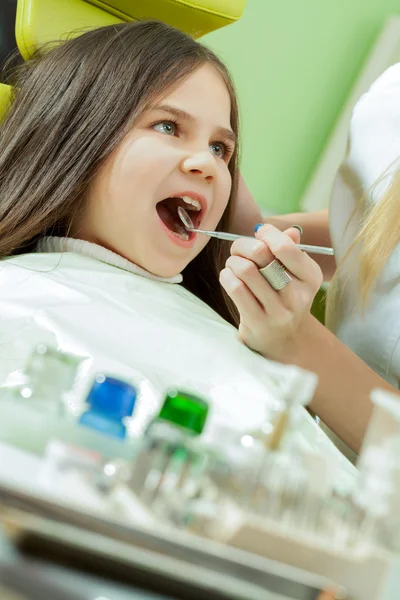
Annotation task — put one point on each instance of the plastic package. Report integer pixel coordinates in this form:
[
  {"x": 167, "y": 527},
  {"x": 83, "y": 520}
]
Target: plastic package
[
  {"x": 36, "y": 410},
  {"x": 49, "y": 376},
  {"x": 170, "y": 458}
]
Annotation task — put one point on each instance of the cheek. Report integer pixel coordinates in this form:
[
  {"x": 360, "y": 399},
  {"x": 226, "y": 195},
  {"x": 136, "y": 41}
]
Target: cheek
[
  {"x": 224, "y": 190},
  {"x": 138, "y": 162}
]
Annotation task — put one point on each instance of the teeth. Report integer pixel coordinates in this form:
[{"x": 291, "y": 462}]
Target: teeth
[
  {"x": 181, "y": 233},
  {"x": 193, "y": 203},
  {"x": 182, "y": 236}
]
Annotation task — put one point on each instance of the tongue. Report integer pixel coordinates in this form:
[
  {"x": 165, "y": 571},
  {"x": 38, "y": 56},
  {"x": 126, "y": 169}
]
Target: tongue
[{"x": 166, "y": 216}]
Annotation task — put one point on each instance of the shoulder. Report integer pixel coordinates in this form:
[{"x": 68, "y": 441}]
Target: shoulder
[
  {"x": 379, "y": 109},
  {"x": 18, "y": 267},
  {"x": 374, "y": 137},
  {"x": 390, "y": 79},
  {"x": 383, "y": 93},
  {"x": 51, "y": 264},
  {"x": 41, "y": 274}
]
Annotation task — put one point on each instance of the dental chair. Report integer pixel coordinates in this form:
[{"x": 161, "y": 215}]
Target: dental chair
[{"x": 41, "y": 21}]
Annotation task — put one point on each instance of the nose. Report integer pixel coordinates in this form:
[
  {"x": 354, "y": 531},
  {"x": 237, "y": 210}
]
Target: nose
[{"x": 201, "y": 164}]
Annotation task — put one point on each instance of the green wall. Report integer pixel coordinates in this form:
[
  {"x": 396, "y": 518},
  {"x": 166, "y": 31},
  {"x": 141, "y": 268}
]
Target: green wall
[{"x": 294, "y": 62}]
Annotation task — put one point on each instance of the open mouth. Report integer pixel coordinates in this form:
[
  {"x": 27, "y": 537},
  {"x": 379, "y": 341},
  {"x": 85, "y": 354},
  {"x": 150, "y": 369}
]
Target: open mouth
[{"x": 167, "y": 210}]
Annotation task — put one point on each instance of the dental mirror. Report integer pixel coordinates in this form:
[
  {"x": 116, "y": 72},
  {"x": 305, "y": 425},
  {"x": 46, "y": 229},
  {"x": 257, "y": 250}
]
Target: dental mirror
[
  {"x": 222, "y": 235},
  {"x": 184, "y": 217}
]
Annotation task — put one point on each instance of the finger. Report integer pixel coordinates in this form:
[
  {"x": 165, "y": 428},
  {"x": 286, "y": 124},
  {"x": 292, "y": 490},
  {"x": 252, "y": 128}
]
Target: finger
[
  {"x": 246, "y": 303},
  {"x": 252, "y": 249},
  {"x": 275, "y": 303},
  {"x": 294, "y": 234},
  {"x": 285, "y": 250},
  {"x": 258, "y": 251},
  {"x": 248, "y": 272},
  {"x": 294, "y": 231}
]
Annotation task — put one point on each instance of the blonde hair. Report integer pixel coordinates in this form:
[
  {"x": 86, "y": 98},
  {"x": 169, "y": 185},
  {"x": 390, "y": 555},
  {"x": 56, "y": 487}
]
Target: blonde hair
[{"x": 378, "y": 235}]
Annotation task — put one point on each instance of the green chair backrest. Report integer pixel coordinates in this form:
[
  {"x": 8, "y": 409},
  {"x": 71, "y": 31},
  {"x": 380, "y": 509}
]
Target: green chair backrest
[{"x": 41, "y": 21}]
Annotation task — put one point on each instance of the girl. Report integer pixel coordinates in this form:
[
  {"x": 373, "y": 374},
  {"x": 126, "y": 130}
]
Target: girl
[{"x": 108, "y": 135}]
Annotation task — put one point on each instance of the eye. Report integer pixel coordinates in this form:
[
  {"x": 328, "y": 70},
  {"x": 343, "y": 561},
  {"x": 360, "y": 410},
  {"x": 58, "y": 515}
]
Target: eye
[
  {"x": 222, "y": 150},
  {"x": 167, "y": 127},
  {"x": 218, "y": 149}
]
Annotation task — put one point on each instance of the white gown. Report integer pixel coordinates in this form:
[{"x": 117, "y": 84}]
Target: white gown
[{"x": 95, "y": 304}]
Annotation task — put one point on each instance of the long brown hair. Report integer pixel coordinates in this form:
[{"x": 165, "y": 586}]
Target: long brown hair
[{"x": 72, "y": 106}]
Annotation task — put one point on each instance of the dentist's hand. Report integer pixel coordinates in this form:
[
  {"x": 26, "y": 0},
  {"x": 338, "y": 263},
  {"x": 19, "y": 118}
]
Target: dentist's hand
[{"x": 271, "y": 321}]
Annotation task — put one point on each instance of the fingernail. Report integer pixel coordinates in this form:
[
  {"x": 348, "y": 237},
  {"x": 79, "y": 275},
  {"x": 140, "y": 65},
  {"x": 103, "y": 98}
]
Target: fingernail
[
  {"x": 257, "y": 227},
  {"x": 299, "y": 228}
]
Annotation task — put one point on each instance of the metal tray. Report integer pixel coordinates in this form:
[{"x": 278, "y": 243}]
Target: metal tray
[{"x": 179, "y": 563}]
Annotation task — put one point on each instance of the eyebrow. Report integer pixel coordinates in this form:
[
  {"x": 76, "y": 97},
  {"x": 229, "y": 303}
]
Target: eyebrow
[{"x": 185, "y": 116}]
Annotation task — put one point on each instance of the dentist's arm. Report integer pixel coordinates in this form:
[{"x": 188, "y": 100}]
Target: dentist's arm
[
  {"x": 278, "y": 325},
  {"x": 315, "y": 225}
]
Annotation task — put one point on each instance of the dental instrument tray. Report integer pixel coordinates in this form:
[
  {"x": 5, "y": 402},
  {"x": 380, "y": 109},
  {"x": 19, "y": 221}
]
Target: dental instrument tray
[{"x": 167, "y": 561}]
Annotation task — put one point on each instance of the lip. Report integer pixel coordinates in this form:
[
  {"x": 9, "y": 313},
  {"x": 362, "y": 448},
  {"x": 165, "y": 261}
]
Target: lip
[
  {"x": 182, "y": 243},
  {"x": 192, "y": 236}
]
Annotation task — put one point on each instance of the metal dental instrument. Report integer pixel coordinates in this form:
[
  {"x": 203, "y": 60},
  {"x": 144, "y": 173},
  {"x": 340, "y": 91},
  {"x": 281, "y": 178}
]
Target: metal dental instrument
[{"x": 187, "y": 221}]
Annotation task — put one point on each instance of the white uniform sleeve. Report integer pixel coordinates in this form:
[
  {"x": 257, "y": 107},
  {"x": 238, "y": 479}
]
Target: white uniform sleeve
[
  {"x": 372, "y": 160},
  {"x": 375, "y": 154}
]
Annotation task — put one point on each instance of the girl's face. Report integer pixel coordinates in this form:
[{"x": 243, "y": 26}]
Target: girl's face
[{"x": 176, "y": 155}]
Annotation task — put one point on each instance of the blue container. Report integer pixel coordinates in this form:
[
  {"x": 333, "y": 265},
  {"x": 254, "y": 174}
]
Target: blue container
[{"x": 110, "y": 401}]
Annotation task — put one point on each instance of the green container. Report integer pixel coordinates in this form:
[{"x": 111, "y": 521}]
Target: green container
[{"x": 185, "y": 410}]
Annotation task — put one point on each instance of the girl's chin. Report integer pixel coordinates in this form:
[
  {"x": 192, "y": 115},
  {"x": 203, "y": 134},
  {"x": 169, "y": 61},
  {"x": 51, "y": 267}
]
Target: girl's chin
[{"x": 166, "y": 269}]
